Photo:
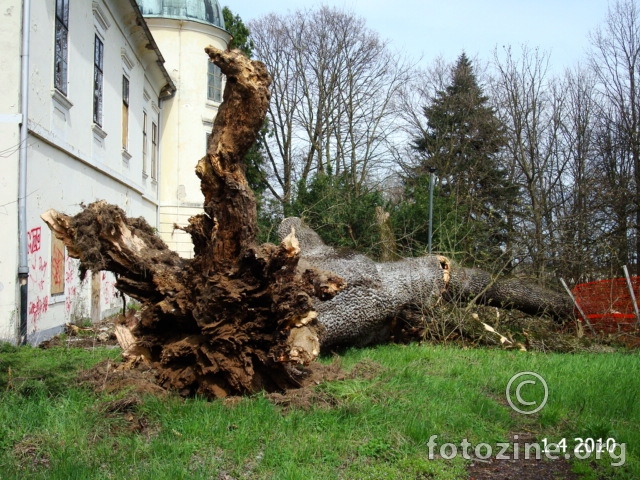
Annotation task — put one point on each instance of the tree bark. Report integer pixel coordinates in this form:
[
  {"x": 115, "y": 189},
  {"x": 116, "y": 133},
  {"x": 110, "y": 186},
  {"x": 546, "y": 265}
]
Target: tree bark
[
  {"x": 378, "y": 292},
  {"x": 472, "y": 284}
]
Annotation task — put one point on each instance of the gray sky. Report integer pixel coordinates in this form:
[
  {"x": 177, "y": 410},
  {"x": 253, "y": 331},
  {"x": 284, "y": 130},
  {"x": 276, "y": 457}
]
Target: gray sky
[{"x": 429, "y": 28}]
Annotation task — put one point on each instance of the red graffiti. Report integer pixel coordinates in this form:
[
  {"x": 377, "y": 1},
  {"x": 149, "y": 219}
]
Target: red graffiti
[
  {"x": 71, "y": 295},
  {"x": 109, "y": 291},
  {"x": 38, "y": 272},
  {"x": 37, "y": 308},
  {"x": 70, "y": 271},
  {"x": 33, "y": 240}
]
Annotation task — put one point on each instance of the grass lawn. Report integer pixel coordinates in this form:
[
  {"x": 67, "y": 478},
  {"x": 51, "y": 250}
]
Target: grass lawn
[{"x": 51, "y": 427}]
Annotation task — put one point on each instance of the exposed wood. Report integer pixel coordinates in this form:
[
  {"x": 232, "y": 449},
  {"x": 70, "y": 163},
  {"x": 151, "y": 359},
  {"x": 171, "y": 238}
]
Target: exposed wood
[{"x": 95, "y": 297}]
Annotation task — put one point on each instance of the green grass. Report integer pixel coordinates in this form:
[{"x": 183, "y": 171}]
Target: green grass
[{"x": 51, "y": 427}]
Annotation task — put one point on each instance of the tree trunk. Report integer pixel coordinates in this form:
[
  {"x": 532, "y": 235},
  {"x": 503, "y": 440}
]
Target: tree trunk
[
  {"x": 239, "y": 317},
  {"x": 472, "y": 284},
  {"x": 377, "y": 293}
]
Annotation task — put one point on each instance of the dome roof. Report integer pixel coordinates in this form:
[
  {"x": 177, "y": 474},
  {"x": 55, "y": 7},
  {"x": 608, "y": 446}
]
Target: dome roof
[{"x": 203, "y": 11}]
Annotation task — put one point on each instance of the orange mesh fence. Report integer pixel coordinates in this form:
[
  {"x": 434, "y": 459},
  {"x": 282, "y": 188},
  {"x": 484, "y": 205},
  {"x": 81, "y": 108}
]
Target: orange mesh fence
[{"x": 608, "y": 304}]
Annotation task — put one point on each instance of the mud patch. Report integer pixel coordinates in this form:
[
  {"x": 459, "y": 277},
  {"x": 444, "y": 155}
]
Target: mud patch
[
  {"x": 109, "y": 376},
  {"x": 525, "y": 469}
]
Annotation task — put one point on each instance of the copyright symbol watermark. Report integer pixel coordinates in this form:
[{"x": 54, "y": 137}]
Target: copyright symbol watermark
[{"x": 526, "y": 404}]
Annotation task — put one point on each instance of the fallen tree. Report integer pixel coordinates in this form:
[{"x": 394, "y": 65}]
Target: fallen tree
[
  {"x": 240, "y": 317},
  {"x": 379, "y": 293},
  {"x": 236, "y": 317}
]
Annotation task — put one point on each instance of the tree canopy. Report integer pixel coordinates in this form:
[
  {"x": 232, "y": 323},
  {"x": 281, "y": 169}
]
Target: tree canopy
[{"x": 535, "y": 171}]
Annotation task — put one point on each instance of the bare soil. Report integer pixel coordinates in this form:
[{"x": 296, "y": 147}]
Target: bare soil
[
  {"x": 522, "y": 468},
  {"x": 100, "y": 334}
]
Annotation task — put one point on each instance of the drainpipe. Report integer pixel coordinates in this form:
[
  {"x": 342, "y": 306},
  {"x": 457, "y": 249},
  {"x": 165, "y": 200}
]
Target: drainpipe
[{"x": 23, "y": 262}]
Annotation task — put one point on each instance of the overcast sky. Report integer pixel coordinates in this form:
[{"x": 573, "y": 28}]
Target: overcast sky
[{"x": 429, "y": 28}]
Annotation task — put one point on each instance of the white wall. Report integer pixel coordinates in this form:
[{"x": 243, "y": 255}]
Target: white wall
[
  {"x": 71, "y": 160},
  {"x": 187, "y": 119},
  {"x": 11, "y": 12}
]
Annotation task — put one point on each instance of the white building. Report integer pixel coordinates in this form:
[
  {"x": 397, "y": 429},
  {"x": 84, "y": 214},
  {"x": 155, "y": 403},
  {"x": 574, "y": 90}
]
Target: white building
[
  {"x": 182, "y": 29},
  {"x": 104, "y": 112}
]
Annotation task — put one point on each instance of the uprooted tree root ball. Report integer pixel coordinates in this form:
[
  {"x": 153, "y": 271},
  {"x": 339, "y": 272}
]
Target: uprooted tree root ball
[{"x": 239, "y": 317}]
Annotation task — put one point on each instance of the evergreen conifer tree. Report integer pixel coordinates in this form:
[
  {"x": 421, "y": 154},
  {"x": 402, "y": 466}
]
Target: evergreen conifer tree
[{"x": 463, "y": 141}]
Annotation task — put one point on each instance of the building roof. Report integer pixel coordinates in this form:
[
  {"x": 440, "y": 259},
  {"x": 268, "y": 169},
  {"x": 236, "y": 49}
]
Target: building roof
[
  {"x": 203, "y": 11},
  {"x": 170, "y": 88}
]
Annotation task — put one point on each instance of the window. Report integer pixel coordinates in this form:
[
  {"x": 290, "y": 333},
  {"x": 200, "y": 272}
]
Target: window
[
  {"x": 154, "y": 151},
  {"x": 125, "y": 112},
  {"x": 144, "y": 143},
  {"x": 57, "y": 266},
  {"x": 61, "y": 46},
  {"x": 98, "y": 53},
  {"x": 214, "y": 83}
]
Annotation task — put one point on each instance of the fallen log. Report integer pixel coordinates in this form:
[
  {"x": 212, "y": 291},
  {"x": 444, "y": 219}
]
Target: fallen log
[
  {"x": 479, "y": 286},
  {"x": 377, "y": 293},
  {"x": 241, "y": 317}
]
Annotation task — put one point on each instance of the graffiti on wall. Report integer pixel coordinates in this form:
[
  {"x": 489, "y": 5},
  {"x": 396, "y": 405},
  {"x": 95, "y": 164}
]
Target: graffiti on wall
[
  {"x": 75, "y": 301},
  {"x": 34, "y": 239},
  {"x": 53, "y": 274},
  {"x": 72, "y": 289},
  {"x": 38, "y": 270},
  {"x": 109, "y": 295}
]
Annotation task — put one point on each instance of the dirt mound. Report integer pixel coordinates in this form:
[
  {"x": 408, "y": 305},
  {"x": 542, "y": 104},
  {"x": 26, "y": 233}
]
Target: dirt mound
[
  {"x": 134, "y": 382},
  {"x": 109, "y": 376}
]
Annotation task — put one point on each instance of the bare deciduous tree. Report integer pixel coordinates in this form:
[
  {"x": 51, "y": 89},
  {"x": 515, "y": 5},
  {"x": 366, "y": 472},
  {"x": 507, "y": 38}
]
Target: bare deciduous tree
[
  {"x": 331, "y": 109},
  {"x": 615, "y": 60},
  {"x": 578, "y": 223},
  {"x": 530, "y": 105}
]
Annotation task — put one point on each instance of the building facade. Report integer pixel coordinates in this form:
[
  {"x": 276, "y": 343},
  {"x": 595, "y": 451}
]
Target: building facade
[
  {"x": 111, "y": 110},
  {"x": 182, "y": 29}
]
